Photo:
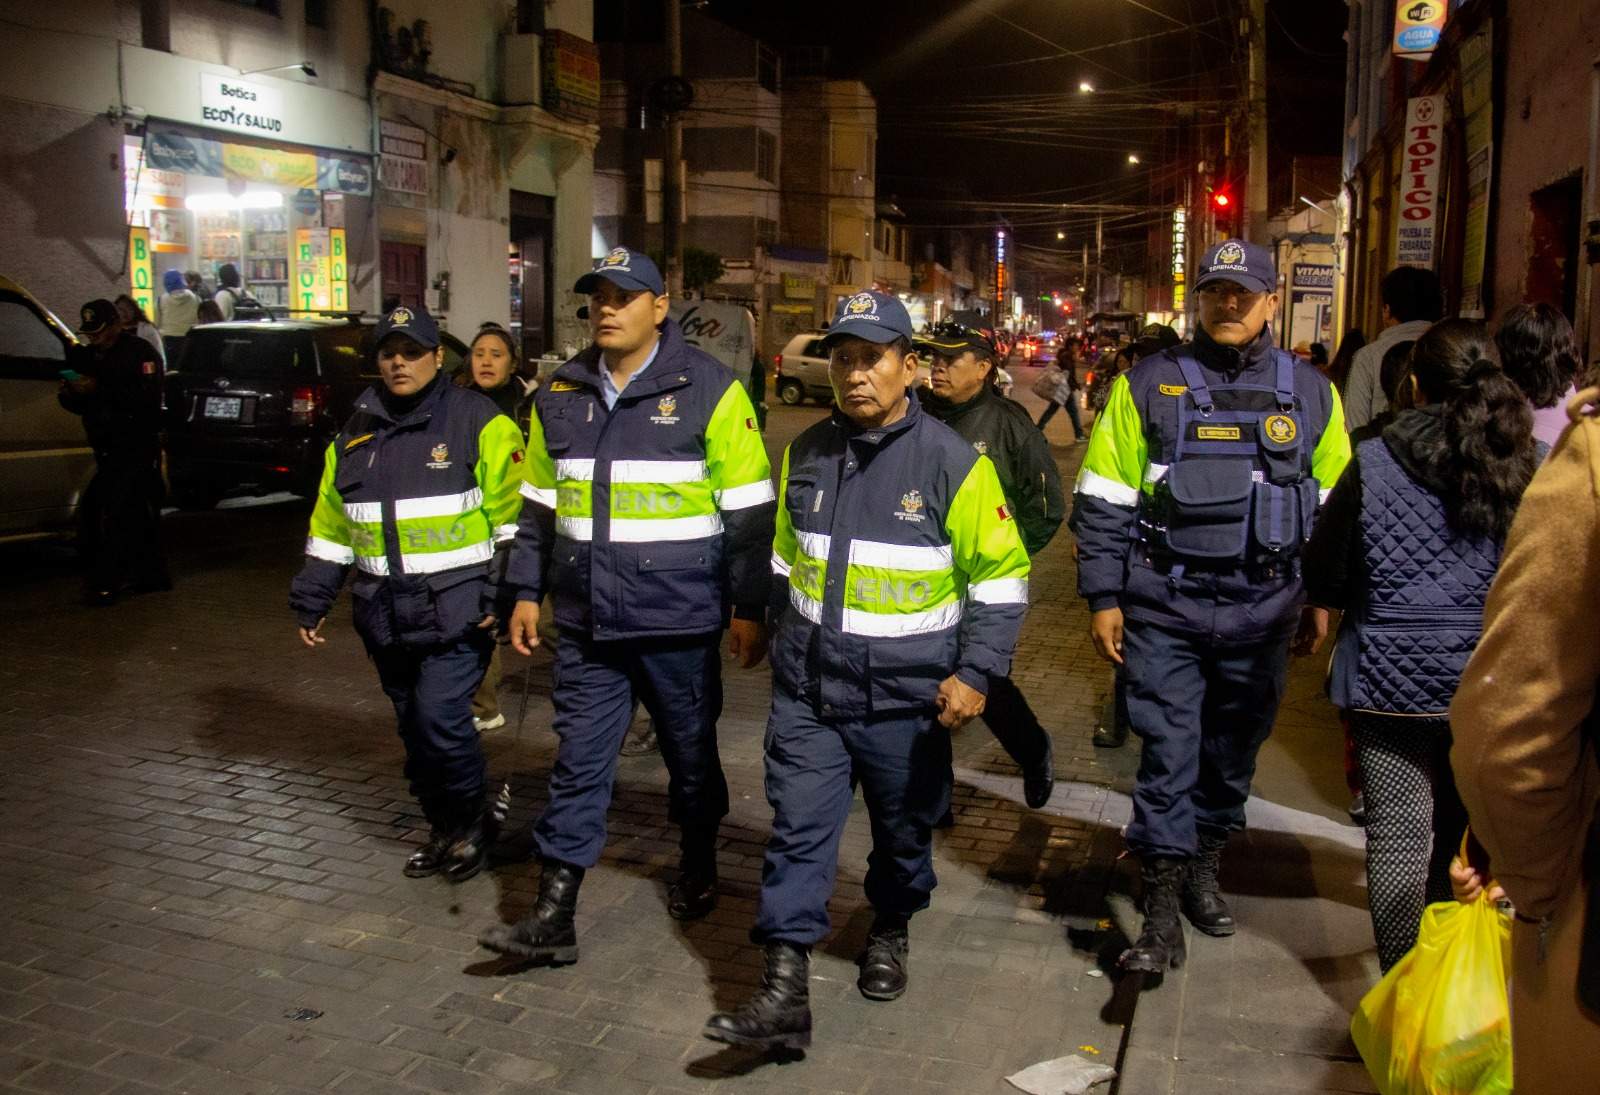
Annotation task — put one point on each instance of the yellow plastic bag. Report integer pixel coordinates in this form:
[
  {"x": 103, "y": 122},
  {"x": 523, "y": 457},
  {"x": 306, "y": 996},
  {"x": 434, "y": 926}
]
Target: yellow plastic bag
[{"x": 1439, "y": 1023}]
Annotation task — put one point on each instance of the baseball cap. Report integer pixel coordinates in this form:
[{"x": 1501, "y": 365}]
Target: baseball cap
[
  {"x": 953, "y": 341},
  {"x": 876, "y": 317},
  {"x": 414, "y": 323},
  {"x": 631, "y": 270},
  {"x": 1237, "y": 261},
  {"x": 96, "y": 316}
]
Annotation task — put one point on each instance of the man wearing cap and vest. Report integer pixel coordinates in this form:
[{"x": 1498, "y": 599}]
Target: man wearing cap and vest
[
  {"x": 961, "y": 393},
  {"x": 418, "y": 491},
  {"x": 649, "y": 521},
  {"x": 1195, "y": 497},
  {"x": 904, "y": 583}
]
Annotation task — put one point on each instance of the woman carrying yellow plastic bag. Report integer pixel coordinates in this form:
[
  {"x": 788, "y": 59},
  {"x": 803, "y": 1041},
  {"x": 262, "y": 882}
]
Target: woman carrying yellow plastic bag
[{"x": 1439, "y": 1023}]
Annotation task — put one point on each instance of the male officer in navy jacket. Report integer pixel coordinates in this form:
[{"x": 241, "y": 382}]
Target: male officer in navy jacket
[{"x": 648, "y": 520}]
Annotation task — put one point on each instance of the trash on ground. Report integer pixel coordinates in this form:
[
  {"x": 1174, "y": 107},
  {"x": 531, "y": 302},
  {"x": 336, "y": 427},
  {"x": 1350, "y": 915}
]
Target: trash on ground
[{"x": 1071, "y": 1075}]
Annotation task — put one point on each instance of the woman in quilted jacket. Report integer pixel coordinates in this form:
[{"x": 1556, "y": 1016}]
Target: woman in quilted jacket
[{"x": 1406, "y": 547}]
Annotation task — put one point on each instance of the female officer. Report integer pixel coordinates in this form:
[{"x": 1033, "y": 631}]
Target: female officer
[
  {"x": 417, "y": 491},
  {"x": 492, "y": 369}
]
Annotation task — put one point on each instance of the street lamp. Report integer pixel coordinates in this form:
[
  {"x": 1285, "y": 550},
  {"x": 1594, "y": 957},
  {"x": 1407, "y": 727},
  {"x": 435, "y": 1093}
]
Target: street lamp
[
  {"x": 1085, "y": 86},
  {"x": 305, "y": 67},
  {"x": 1061, "y": 235},
  {"x": 1133, "y": 158}
]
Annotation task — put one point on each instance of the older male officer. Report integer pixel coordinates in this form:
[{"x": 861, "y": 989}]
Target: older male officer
[
  {"x": 649, "y": 519},
  {"x": 906, "y": 585},
  {"x": 1199, "y": 488}
]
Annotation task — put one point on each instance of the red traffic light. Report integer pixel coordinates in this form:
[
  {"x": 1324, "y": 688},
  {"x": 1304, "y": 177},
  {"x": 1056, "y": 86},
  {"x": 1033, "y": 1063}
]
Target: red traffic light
[{"x": 1221, "y": 199}]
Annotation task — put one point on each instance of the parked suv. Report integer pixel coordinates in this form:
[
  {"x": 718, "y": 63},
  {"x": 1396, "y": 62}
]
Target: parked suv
[
  {"x": 802, "y": 371},
  {"x": 254, "y": 404}
]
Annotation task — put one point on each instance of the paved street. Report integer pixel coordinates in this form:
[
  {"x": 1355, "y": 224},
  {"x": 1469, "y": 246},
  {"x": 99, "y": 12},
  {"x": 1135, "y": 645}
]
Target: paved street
[{"x": 202, "y": 825}]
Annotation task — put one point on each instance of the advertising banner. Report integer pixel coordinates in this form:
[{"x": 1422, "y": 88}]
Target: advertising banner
[
  {"x": 1418, "y": 25},
  {"x": 1477, "y": 77},
  {"x": 188, "y": 154},
  {"x": 1421, "y": 152},
  {"x": 313, "y": 282},
  {"x": 141, "y": 270}
]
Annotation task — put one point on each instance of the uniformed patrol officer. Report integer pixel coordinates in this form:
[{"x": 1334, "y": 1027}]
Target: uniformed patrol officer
[
  {"x": 418, "y": 491},
  {"x": 962, "y": 394},
  {"x": 1199, "y": 488},
  {"x": 649, "y": 519},
  {"x": 905, "y": 583}
]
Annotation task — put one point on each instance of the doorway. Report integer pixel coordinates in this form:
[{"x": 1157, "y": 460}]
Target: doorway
[
  {"x": 530, "y": 252},
  {"x": 404, "y": 268},
  {"x": 1553, "y": 245}
]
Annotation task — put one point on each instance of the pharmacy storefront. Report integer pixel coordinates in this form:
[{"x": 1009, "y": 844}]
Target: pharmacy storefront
[{"x": 272, "y": 178}]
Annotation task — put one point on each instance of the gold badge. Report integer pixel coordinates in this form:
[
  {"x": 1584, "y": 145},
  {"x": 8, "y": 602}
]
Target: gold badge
[
  {"x": 667, "y": 406},
  {"x": 1280, "y": 429},
  {"x": 1174, "y": 389}
]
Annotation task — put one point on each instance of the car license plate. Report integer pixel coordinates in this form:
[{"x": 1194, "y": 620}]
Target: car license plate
[{"x": 224, "y": 406}]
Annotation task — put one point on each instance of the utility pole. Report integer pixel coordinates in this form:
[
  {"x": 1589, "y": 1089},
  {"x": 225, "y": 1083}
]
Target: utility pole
[
  {"x": 1083, "y": 291},
  {"x": 1256, "y": 202},
  {"x": 1099, "y": 260},
  {"x": 672, "y": 167}
]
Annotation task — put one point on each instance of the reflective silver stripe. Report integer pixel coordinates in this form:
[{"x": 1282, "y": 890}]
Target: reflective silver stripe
[
  {"x": 658, "y": 471},
  {"x": 1153, "y": 473},
  {"x": 373, "y": 564},
  {"x": 434, "y": 561},
  {"x": 545, "y": 496},
  {"x": 779, "y": 567},
  {"x": 999, "y": 591},
  {"x": 884, "y": 625},
  {"x": 575, "y": 469},
  {"x": 666, "y": 528},
  {"x": 806, "y": 605},
  {"x": 815, "y": 544},
  {"x": 871, "y": 553},
  {"x": 743, "y": 497},
  {"x": 1109, "y": 490},
  {"x": 575, "y": 528},
  {"x": 1322, "y": 496},
  {"x": 502, "y": 533},
  {"x": 364, "y": 513},
  {"x": 318, "y": 548},
  {"x": 438, "y": 505}
]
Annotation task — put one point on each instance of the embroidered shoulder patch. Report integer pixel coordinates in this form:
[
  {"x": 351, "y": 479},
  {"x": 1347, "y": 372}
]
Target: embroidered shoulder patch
[
  {"x": 564, "y": 386},
  {"x": 354, "y": 441},
  {"x": 1174, "y": 389}
]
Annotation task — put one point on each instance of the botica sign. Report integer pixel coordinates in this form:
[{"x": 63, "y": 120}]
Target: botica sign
[{"x": 240, "y": 105}]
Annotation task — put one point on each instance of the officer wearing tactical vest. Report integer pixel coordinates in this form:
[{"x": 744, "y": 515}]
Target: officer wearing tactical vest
[
  {"x": 1199, "y": 488},
  {"x": 904, "y": 586},
  {"x": 418, "y": 491},
  {"x": 649, "y": 518}
]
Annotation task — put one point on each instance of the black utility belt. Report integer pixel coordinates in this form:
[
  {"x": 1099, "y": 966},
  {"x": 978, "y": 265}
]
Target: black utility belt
[{"x": 1278, "y": 568}]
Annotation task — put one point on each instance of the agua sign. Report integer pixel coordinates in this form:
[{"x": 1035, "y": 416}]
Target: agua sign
[
  {"x": 1417, "y": 225},
  {"x": 240, "y": 105},
  {"x": 1418, "y": 25}
]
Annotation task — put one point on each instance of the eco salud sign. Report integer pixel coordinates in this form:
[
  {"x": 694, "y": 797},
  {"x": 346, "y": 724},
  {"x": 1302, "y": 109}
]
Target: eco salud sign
[
  {"x": 240, "y": 105},
  {"x": 1417, "y": 226}
]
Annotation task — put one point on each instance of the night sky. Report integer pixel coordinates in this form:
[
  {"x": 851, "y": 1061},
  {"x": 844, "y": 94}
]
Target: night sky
[{"x": 979, "y": 112}]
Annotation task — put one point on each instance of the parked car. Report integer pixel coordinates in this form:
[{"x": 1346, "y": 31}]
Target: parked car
[
  {"x": 253, "y": 405},
  {"x": 802, "y": 370},
  {"x": 45, "y": 461}
]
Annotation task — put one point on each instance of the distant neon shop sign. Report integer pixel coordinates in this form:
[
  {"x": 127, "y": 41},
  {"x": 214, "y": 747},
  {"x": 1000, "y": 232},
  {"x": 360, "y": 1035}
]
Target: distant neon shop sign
[{"x": 999, "y": 264}]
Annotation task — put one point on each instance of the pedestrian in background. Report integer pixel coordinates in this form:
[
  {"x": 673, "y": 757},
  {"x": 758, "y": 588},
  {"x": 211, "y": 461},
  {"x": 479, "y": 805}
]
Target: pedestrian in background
[
  {"x": 491, "y": 370},
  {"x": 905, "y": 584},
  {"x": 196, "y": 284},
  {"x": 1525, "y": 752},
  {"x": 1318, "y": 354},
  {"x": 1406, "y": 548},
  {"x": 1344, "y": 357},
  {"x": 1065, "y": 392},
  {"x": 1540, "y": 355},
  {"x": 179, "y": 310},
  {"x": 418, "y": 491},
  {"x": 230, "y": 290},
  {"x": 1412, "y": 302},
  {"x": 115, "y": 385},
  {"x": 209, "y": 312},
  {"x": 135, "y": 322},
  {"x": 963, "y": 394},
  {"x": 1199, "y": 487}
]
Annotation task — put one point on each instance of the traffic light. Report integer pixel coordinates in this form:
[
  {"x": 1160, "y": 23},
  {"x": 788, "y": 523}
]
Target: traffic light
[
  {"x": 1221, "y": 200},
  {"x": 1223, "y": 208}
]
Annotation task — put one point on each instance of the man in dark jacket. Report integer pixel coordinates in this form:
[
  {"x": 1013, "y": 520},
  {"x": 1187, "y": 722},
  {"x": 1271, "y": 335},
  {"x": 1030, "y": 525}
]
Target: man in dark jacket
[
  {"x": 649, "y": 521},
  {"x": 116, "y": 387},
  {"x": 961, "y": 394}
]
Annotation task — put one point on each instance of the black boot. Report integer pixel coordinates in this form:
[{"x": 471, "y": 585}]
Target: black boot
[
  {"x": 883, "y": 963},
  {"x": 1038, "y": 780},
  {"x": 547, "y": 933},
  {"x": 1202, "y": 898},
  {"x": 428, "y": 859},
  {"x": 695, "y": 893},
  {"x": 1160, "y": 945},
  {"x": 778, "y": 1016},
  {"x": 470, "y": 846}
]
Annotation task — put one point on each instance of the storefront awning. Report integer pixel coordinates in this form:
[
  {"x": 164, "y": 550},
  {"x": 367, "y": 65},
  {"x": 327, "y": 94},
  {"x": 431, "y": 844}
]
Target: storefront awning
[{"x": 173, "y": 146}]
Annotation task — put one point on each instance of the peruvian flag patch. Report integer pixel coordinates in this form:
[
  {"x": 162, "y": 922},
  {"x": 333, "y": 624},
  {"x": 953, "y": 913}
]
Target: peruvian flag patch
[
  {"x": 516, "y": 457},
  {"x": 749, "y": 423},
  {"x": 1004, "y": 512}
]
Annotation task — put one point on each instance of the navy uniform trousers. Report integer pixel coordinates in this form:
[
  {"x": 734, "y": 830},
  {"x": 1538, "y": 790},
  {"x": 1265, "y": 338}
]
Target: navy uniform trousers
[
  {"x": 902, "y": 760},
  {"x": 679, "y": 681},
  {"x": 1202, "y": 711},
  {"x": 431, "y": 688}
]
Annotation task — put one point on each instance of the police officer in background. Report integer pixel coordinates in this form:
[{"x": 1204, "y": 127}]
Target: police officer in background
[
  {"x": 905, "y": 583},
  {"x": 1198, "y": 490},
  {"x": 962, "y": 393},
  {"x": 418, "y": 491},
  {"x": 649, "y": 520}
]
